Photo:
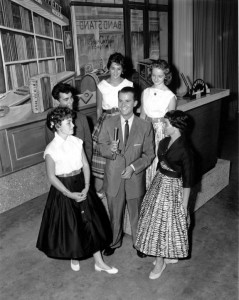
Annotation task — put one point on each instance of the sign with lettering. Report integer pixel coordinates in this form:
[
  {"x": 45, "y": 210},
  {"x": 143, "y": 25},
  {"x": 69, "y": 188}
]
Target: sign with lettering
[{"x": 102, "y": 25}]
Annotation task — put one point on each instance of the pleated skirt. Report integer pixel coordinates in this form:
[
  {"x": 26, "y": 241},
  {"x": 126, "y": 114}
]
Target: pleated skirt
[
  {"x": 98, "y": 161},
  {"x": 73, "y": 230},
  {"x": 163, "y": 224}
]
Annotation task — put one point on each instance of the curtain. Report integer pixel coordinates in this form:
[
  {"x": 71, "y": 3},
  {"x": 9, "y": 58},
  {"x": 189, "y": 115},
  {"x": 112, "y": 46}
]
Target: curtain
[
  {"x": 215, "y": 45},
  {"x": 182, "y": 43}
]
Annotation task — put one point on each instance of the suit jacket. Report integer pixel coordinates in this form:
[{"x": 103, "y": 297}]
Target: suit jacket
[
  {"x": 139, "y": 151},
  {"x": 81, "y": 130}
]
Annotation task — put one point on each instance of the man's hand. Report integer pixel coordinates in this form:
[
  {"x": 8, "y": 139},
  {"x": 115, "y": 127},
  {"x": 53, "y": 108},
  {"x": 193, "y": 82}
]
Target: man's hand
[
  {"x": 127, "y": 173},
  {"x": 114, "y": 146}
]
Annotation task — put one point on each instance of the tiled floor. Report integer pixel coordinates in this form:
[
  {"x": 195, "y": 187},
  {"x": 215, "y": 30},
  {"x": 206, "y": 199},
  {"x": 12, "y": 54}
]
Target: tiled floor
[{"x": 210, "y": 272}]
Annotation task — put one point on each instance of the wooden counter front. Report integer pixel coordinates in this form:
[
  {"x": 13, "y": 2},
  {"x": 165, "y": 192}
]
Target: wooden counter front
[{"x": 22, "y": 135}]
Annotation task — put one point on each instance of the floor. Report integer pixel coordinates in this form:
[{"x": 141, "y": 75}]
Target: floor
[{"x": 210, "y": 272}]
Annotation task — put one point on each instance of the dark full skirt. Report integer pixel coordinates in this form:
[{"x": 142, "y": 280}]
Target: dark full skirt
[{"x": 73, "y": 230}]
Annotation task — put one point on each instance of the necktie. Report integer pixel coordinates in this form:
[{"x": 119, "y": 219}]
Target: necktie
[{"x": 126, "y": 132}]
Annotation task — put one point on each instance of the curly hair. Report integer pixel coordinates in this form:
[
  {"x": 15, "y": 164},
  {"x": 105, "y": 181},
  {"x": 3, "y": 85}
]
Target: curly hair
[
  {"x": 117, "y": 58},
  {"x": 179, "y": 119},
  {"x": 164, "y": 66},
  {"x": 61, "y": 87},
  {"x": 57, "y": 115}
]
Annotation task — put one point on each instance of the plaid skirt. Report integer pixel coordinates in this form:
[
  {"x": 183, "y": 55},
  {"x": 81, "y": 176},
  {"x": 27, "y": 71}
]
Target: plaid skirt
[
  {"x": 98, "y": 161},
  {"x": 158, "y": 136}
]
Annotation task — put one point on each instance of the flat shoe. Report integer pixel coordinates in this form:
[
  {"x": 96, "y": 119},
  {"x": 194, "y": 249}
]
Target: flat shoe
[
  {"x": 113, "y": 270},
  {"x": 75, "y": 267},
  {"x": 157, "y": 275},
  {"x": 168, "y": 261}
]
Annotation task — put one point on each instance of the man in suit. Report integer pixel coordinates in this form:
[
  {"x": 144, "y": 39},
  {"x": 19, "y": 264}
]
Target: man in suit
[
  {"x": 63, "y": 93},
  {"x": 127, "y": 158}
]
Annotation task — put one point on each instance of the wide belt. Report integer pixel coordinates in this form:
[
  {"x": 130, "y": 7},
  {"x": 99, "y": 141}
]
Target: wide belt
[
  {"x": 169, "y": 173},
  {"x": 73, "y": 173}
]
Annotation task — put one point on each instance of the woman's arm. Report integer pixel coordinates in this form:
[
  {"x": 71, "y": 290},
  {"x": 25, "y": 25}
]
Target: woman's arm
[
  {"x": 172, "y": 104},
  {"x": 99, "y": 98},
  {"x": 142, "y": 112},
  {"x": 50, "y": 169},
  {"x": 86, "y": 170}
]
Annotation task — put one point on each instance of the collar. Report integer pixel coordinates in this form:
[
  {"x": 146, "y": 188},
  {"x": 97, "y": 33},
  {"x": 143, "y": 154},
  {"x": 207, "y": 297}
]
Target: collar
[
  {"x": 130, "y": 120},
  {"x": 59, "y": 140}
]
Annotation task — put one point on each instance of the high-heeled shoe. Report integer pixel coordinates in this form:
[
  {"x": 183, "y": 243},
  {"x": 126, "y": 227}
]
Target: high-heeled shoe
[
  {"x": 168, "y": 261},
  {"x": 75, "y": 267},
  {"x": 157, "y": 275},
  {"x": 113, "y": 270}
]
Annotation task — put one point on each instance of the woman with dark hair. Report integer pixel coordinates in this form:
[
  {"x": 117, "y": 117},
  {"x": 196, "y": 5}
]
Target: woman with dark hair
[
  {"x": 107, "y": 105},
  {"x": 155, "y": 102},
  {"x": 75, "y": 224},
  {"x": 163, "y": 223}
]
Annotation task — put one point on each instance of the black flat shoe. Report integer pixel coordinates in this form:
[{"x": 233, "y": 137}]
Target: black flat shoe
[
  {"x": 140, "y": 254},
  {"x": 108, "y": 251}
]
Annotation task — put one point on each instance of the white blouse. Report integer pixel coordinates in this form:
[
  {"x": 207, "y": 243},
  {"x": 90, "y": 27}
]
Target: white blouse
[
  {"x": 110, "y": 92},
  {"x": 67, "y": 154},
  {"x": 156, "y": 102}
]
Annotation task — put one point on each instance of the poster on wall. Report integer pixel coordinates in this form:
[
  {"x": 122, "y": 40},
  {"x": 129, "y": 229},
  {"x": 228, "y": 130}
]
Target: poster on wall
[
  {"x": 99, "y": 32},
  {"x": 67, "y": 40}
]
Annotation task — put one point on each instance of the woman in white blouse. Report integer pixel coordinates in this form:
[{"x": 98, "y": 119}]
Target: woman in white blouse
[{"x": 75, "y": 224}]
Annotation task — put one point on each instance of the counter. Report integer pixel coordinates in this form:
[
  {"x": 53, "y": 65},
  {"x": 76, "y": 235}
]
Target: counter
[{"x": 22, "y": 143}]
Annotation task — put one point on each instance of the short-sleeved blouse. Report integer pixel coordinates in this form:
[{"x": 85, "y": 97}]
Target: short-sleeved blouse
[
  {"x": 156, "y": 102},
  {"x": 180, "y": 158},
  {"x": 110, "y": 93},
  {"x": 67, "y": 154}
]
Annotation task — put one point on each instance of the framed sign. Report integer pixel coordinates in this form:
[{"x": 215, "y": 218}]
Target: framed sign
[{"x": 67, "y": 40}]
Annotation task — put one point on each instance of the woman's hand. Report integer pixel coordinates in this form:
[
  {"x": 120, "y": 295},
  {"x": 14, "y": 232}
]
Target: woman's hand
[{"x": 78, "y": 197}]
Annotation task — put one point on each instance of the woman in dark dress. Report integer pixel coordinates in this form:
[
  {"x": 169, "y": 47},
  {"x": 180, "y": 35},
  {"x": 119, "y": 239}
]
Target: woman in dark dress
[
  {"x": 75, "y": 224},
  {"x": 163, "y": 223}
]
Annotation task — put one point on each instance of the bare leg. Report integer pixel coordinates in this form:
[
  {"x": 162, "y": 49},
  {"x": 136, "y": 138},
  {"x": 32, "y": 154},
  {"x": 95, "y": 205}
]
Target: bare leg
[
  {"x": 158, "y": 269},
  {"x": 158, "y": 265},
  {"x": 99, "y": 261}
]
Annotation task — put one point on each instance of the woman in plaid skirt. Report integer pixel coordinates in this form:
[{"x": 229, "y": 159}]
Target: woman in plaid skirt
[
  {"x": 107, "y": 106},
  {"x": 163, "y": 223}
]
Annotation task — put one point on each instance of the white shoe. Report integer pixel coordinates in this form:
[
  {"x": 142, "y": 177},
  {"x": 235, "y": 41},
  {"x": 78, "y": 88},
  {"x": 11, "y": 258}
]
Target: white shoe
[
  {"x": 75, "y": 267},
  {"x": 157, "y": 275},
  {"x": 110, "y": 271},
  {"x": 168, "y": 261}
]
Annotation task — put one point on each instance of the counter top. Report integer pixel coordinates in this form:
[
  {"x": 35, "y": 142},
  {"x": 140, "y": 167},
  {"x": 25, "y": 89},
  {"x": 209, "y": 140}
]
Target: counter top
[
  {"x": 215, "y": 94},
  {"x": 22, "y": 114}
]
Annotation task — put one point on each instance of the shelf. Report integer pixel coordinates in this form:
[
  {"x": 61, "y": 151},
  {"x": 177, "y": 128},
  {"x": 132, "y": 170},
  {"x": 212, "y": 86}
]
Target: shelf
[
  {"x": 44, "y": 10},
  {"x": 16, "y": 30},
  {"x": 13, "y": 99},
  {"x": 26, "y": 61}
]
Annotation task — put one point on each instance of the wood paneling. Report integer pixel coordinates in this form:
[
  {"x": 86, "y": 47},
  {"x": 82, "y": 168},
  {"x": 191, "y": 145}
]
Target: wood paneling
[
  {"x": 27, "y": 144},
  {"x": 5, "y": 161}
]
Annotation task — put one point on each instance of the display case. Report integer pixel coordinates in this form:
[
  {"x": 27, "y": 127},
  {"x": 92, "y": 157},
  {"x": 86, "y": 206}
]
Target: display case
[{"x": 31, "y": 40}]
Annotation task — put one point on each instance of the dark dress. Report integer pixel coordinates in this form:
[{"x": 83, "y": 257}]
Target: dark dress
[
  {"x": 70, "y": 229},
  {"x": 163, "y": 224}
]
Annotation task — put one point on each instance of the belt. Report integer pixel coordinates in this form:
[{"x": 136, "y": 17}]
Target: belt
[
  {"x": 168, "y": 173},
  {"x": 111, "y": 111},
  {"x": 73, "y": 173}
]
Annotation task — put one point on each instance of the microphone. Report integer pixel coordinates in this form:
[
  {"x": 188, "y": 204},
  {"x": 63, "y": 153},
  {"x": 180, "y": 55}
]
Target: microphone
[{"x": 116, "y": 133}]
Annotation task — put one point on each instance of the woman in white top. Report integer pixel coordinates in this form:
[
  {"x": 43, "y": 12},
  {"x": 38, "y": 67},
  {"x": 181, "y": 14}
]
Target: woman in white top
[
  {"x": 107, "y": 105},
  {"x": 75, "y": 224},
  {"x": 155, "y": 102}
]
